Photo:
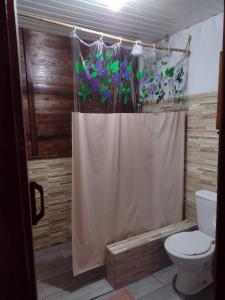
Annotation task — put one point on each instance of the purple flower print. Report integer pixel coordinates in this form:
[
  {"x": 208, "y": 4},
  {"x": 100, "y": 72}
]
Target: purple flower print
[
  {"x": 85, "y": 75},
  {"x": 157, "y": 75},
  {"x": 179, "y": 78},
  {"x": 170, "y": 82},
  {"x": 100, "y": 67},
  {"x": 126, "y": 75},
  {"x": 144, "y": 80},
  {"x": 106, "y": 95},
  {"x": 116, "y": 78},
  {"x": 94, "y": 86},
  {"x": 123, "y": 65},
  {"x": 161, "y": 96},
  {"x": 151, "y": 88}
]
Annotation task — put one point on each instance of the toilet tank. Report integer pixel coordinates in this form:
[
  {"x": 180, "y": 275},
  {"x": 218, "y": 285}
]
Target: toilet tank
[{"x": 206, "y": 211}]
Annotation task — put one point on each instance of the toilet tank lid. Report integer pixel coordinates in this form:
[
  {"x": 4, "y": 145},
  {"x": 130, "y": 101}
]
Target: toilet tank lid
[{"x": 208, "y": 195}]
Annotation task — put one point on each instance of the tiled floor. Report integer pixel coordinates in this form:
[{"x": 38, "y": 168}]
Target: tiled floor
[{"x": 56, "y": 282}]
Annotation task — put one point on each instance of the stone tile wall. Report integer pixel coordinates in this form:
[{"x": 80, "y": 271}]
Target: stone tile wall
[
  {"x": 201, "y": 156},
  {"x": 55, "y": 176}
]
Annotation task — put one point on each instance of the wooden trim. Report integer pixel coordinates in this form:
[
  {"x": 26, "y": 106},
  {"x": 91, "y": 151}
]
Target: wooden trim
[
  {"x": 16, "y": 254},
  {"x": 220, "y": 91},
  {"x": 30, "y": 92}
]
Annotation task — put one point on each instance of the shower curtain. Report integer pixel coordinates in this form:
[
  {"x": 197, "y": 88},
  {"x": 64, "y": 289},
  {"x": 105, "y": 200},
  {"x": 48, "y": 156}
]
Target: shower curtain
[{"x": 127, "y": 179}]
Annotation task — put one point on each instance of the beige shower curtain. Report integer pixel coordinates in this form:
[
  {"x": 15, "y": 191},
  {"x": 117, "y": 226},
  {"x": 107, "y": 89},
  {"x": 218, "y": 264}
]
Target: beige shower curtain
[{"x": 127, "y": 179}]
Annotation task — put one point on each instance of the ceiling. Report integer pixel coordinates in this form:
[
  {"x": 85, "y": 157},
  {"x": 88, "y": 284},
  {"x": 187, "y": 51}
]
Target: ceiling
[{"x": 146, "y": 20}]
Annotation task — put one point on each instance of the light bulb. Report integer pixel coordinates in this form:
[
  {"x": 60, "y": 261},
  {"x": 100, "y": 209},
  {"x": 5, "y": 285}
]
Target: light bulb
[{"x": 116, "y": 4}]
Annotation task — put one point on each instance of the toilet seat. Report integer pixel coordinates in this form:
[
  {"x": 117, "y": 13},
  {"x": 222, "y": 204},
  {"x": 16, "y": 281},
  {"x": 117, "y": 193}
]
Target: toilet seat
[{"x": 190, "y": 243}]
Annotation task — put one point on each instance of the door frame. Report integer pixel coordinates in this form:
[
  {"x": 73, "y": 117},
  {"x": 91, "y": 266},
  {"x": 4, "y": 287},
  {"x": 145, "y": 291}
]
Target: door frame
[
  {"x": 16, "y": 251},
  {"x": 220, "y": 228}
]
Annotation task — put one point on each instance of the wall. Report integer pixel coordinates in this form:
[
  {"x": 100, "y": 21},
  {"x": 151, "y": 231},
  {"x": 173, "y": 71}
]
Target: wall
[
  {"x": 206, "y": 45},
  {"x": 55, "y": 176},
  {"x": 201, "y": 136},
  {"x": 201, "y": 145},
  {"x": 47, "y": 77},
  {"x": 47, "y": 80}
]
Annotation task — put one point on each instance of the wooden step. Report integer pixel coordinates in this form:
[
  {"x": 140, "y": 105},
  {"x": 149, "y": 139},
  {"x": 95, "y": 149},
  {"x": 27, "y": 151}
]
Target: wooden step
[{"x": 136, "y": 257}]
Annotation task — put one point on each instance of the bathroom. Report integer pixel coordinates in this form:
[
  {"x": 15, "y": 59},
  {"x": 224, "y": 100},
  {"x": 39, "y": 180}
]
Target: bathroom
[{"x": 122, "y": 106}]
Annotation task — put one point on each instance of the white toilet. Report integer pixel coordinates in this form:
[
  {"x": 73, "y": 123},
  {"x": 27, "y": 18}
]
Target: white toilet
[{"x": 192, "y": 251}]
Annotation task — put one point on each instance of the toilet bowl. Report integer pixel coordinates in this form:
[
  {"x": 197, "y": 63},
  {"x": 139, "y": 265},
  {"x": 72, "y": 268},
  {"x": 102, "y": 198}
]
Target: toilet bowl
[{"x": 192, "y": 252}]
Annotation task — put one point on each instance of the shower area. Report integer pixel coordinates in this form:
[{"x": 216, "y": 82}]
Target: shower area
[
  {"x": 117, "y": 145},
  {"x": 121, "y": 155}
]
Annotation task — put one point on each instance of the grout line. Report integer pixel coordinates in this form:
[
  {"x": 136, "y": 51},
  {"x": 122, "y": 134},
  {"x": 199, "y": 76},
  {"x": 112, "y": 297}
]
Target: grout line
[
  {"x": 156, "y": 290},
  {"x": 164, "y": 283},
  {"x": 102, "y": 295}
]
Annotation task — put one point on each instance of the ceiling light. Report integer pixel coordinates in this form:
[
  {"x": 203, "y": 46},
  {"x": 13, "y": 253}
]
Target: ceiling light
[{"x": 116, "y": 4}]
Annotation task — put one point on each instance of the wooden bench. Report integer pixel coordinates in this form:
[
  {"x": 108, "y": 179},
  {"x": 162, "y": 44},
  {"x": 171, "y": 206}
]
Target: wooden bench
[{"x": 136, "y": 257}]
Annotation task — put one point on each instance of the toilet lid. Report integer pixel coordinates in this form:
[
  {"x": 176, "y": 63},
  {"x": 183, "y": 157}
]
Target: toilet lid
[{"x": 190, "y": 243}]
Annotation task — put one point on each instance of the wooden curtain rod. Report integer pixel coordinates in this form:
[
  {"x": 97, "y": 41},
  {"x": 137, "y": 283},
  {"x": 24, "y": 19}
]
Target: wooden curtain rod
[{"x": 57, "y": 22}]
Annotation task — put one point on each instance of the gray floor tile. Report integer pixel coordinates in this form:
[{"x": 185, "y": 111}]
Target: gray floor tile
[
  {"x": 44, "y": 252},
  {"x": 165, "y": 293},
  {"x": 56, "y": 284},
  {"x": 52, "y": 267},
  {"x": 87, "y": 292},
  {"x": 66, "y": 250},
  {"x": 107, "y": 295},
  {"x": 206, "y": 294},
  {"x": 144, "y": 286},
  {"x": 166, "y": 275}
]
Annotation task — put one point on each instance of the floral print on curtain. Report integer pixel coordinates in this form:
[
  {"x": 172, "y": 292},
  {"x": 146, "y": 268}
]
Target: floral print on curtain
[
  {"x": 103, "y": 72},
  {"x": 110, "y": 74},
  {"x": 162, "y": 78}
]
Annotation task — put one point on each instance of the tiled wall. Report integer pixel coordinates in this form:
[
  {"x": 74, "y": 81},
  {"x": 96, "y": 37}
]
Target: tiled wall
[
  {"x": 55, "y": 177},
  {"x": 200, "y": 172},
  {"x": 201, "y": 148}
]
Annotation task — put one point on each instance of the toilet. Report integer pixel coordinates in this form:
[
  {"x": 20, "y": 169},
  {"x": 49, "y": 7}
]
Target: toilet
[{"x": 192, "y": 251}]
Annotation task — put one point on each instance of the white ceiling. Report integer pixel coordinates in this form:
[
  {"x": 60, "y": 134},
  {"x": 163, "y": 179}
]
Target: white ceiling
[{"x": 146, "y": 20}]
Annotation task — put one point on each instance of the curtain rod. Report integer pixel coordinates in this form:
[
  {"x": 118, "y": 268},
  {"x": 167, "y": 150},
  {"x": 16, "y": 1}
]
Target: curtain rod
[{"x": 121, "y": 39}]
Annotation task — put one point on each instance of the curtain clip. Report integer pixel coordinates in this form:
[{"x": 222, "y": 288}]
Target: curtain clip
[
  {"x": 154, "y": 49},
  {"x": 101, "y": 36},
  {"x": 74, "y": 30},
  {"x": 187, "y": 48},
  {"x": 169, "y": 50}
]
